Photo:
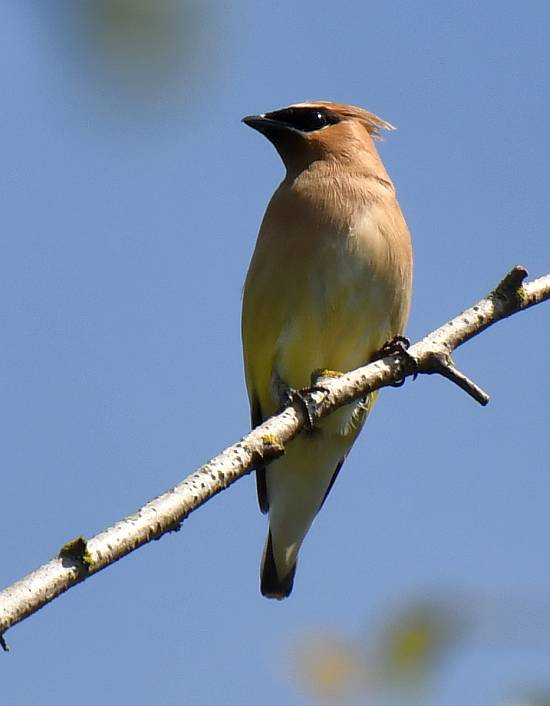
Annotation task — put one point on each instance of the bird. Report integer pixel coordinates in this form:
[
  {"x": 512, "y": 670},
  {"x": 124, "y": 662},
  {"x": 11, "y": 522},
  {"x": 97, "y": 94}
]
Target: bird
[{"x": 329, "y": 284}]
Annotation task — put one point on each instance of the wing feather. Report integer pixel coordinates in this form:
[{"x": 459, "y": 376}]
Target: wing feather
[{"x": 261, "y": 484}]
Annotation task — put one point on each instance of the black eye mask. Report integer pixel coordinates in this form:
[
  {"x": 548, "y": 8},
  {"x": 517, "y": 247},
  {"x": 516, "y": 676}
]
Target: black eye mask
[{"x": 304, "y": 119}]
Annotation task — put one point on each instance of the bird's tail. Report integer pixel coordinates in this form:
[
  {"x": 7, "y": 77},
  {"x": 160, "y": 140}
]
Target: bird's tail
[
  {"x": 297, "y": 484},
  {"x": 272, "y": 585}
]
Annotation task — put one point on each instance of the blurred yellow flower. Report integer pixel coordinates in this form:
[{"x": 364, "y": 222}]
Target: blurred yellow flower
[{"x": 330, "y": 668}]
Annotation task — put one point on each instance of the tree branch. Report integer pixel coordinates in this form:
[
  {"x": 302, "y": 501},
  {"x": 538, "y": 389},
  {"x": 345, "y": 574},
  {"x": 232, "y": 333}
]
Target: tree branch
[{"x": 81, "y": 558}]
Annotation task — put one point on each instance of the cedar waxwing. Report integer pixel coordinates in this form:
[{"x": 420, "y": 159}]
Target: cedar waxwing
[{"x": 328, "y": 285}]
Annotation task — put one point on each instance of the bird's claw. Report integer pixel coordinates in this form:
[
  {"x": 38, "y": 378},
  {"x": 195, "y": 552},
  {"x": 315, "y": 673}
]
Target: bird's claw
[
  {"x": 289, "y": 396},
  {"x": 298, "y": 396},
  {"x": 398, "y": 346}
]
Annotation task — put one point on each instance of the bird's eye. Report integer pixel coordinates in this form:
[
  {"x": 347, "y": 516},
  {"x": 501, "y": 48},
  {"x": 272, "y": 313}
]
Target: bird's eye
[
  {"x": 306, "y": 119},
  {"x": 309, "y": 120},
  {"x": 318, "y": 120}
]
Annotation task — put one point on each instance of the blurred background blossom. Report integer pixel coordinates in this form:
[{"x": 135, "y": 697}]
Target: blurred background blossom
[
  {"x": 411, "y": 647},
  {"x": 156, "y": 58}
]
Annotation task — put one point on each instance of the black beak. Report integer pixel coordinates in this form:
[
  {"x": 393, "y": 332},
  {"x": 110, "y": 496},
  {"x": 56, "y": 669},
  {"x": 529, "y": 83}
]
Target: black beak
[
  {"x": 253, "y": 120},
  {"x": 264, "y": 124}
]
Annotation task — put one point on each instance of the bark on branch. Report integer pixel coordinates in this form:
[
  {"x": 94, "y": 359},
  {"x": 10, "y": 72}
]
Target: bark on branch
[{"x": 81, "y": 558}]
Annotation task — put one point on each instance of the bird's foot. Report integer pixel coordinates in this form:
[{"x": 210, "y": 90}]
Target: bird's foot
[
  {"x": 289, "y": 396},
  {"x": 398, "y": 346}
]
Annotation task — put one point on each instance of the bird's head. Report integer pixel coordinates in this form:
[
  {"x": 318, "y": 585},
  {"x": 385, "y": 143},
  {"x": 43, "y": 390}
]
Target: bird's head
[{"x": 306, "y": 132}]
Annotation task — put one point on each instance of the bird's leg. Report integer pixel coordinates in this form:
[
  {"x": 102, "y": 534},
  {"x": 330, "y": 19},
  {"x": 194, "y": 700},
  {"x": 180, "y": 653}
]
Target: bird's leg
[
  {"x": 288, "y": 396},
  {"x": 398, "y": 346}
]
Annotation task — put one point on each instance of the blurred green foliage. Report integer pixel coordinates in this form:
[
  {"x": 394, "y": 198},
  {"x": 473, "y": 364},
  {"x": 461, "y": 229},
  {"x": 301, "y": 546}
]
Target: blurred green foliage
[
  {"x": 145, "y": 35},
  {"x": 137, "y": 49},
  {"x": 411, "y": 646},
  {"x": 402, "y": 653}
]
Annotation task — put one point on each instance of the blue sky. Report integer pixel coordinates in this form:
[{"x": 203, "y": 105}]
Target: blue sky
[{"x": 131, "y": 198}]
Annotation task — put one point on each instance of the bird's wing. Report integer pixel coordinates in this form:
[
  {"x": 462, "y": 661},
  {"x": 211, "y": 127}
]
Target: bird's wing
[{"x": 261, "y": 486}]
